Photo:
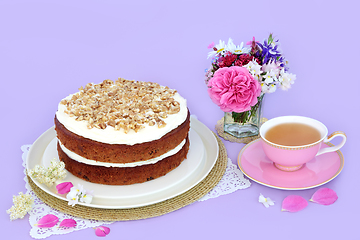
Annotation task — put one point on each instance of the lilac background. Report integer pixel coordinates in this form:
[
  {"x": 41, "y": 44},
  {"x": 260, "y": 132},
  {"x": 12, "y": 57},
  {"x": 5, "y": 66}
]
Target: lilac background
[{"x": 48, "y": 49}]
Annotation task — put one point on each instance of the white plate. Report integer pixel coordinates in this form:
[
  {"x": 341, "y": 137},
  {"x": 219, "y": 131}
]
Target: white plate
[{"x": 201, "y": 158}]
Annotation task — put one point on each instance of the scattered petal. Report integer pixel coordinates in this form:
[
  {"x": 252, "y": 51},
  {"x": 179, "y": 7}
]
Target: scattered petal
[
  {"x": 47, "y": 221},
  {"x": 324, "y": 196},
  {"x": 266, "y": 201},
  {"x": 64, "y": 187},
  {"x": 102, "y": 231},
  {"x": 211, "y": 45},
  {"x": 293, "y": 203},
  {"x": 68, "y": 223}
]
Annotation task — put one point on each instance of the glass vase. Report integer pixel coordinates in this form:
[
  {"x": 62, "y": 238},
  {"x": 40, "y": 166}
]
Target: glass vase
[{"x": 244, "y": 124}]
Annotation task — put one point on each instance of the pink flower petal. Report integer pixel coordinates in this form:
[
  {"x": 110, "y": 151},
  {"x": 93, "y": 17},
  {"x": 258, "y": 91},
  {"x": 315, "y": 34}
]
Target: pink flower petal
[
  {"x": 64, "y": 187},
  {"x": 102, "y": 231},
  {"x": 234, "y": 89},
  {"x": 324, "y": 196},
  {"x": 293, "y": 203},
  {"x": 211, "y": 45},
  {"x": 47, "y": 221},
  {"x": 68, "y": 223}
]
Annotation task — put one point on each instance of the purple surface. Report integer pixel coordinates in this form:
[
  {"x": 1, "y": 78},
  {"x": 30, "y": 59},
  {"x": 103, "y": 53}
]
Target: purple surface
[{"x": 49, "y": 49}]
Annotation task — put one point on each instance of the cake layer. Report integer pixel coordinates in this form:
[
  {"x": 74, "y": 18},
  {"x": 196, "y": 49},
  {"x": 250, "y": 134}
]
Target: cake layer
[
  {"x": 123, "y": 176},
  {"x": 78, "y": 158},
  {"x": 121, "y": 153}
]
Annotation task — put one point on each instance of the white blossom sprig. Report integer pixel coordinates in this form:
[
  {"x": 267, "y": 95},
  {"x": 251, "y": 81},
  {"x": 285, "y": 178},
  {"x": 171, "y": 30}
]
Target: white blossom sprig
[
  {"x": 22, "y": 205},
  {"x": 56, "y": 171}
]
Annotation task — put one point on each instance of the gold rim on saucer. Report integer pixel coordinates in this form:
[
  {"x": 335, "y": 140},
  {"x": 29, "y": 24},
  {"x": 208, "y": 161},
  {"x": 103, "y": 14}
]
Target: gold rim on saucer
[{"x": 341, "y": 158}]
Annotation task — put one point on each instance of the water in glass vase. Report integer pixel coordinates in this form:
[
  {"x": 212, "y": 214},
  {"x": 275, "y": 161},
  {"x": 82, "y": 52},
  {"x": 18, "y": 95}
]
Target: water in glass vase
[{"x": 244, "y": 124}]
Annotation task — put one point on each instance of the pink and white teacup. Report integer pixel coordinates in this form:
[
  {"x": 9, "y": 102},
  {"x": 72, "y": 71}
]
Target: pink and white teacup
[{"x": 292, "y": 158}]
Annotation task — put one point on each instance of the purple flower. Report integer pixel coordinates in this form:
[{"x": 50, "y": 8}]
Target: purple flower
[{"x": 269, "y": 52}]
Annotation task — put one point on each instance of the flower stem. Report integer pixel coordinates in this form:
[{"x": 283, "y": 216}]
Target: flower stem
[{"x": 244, "y": 117}]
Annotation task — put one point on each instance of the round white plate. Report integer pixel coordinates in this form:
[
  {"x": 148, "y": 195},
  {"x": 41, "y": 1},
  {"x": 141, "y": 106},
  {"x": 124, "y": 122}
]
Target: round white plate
[{"x": 201, "y": 158}]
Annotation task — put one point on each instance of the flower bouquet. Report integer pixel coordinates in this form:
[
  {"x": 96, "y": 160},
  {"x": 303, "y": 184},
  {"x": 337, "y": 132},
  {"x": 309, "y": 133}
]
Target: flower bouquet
[{"x": 239, "y": 77}]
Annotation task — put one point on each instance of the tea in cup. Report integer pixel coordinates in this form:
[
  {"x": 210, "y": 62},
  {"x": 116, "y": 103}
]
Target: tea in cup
[{"x": 292, "y": 141}]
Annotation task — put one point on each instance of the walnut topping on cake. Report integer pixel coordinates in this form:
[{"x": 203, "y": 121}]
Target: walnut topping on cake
[{"x": 122, "y": 104}]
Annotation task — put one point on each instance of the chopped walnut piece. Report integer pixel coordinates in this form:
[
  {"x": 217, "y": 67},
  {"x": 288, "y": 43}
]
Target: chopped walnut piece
[
  {"x": 163, "y": 115},
  {"x": 102, "y": 125},
  {"x": 161, "y": 124},
  {"x": 123, "y": 104},
  {"x": 112, "y": 123}
]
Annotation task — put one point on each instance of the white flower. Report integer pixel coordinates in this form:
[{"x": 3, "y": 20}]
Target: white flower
[
  {"x": 270, "y": 77},
  {"x": 264, "y": 88},
  {"x": 254, "y": 68},
  {"x": 231, "y": 47},
  {"x": 268, "y": 88},
  {"x": 286, "y": 79},
  {"x": 272, "y": 88},
  {"x": 266, "y": 201},
  {"x": 220, "y": 48},
  {"x": 79, "y": 194},
  {"x": 87, "y": 197},
  {"x": 275, "y": 67},
  {"x": 72, "y": 196}
]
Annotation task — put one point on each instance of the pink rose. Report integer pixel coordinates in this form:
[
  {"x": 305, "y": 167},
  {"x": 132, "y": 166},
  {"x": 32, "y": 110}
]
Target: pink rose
[{"x": 234, "y": 89}]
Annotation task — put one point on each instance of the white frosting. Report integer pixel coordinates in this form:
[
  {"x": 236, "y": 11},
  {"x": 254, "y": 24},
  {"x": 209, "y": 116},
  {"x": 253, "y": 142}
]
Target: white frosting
[
  {"x": 81, "y": 159},
  {"x": 111, "y": 136}
]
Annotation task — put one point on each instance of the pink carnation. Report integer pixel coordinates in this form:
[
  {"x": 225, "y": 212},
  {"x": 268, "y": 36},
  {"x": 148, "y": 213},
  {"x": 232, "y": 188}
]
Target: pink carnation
[{"x": 234, "y": 89}]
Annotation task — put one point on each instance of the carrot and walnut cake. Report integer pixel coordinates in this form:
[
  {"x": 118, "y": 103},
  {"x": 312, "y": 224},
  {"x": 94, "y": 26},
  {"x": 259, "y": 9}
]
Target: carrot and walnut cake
[{"x": 122, "y": 132}]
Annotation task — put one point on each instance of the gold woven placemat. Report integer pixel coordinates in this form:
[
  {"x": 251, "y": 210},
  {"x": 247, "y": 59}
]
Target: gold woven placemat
[
  {"x": 153, "y": 210},
  {"x": 220, "y": 130}
]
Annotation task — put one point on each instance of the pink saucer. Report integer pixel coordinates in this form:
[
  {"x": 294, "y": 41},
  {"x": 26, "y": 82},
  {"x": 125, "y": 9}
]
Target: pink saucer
[{"x": 255, "y": 165}]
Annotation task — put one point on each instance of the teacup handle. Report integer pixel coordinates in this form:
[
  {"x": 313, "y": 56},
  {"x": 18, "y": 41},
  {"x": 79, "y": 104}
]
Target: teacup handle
[{"x": 334, "y": 148}]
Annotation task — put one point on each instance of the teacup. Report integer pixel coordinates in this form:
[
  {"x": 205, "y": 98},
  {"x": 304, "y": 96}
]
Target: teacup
[{"x": 292, "y": 158}]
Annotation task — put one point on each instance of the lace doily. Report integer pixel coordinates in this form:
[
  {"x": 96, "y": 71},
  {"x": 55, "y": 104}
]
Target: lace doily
[{"x": 232, "y": 180}]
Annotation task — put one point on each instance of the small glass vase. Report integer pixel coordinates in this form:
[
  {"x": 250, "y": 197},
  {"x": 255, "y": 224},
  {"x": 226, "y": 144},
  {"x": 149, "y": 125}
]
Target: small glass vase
[{"x": 244, "y": 124}]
